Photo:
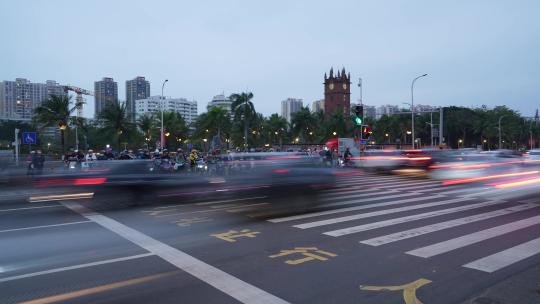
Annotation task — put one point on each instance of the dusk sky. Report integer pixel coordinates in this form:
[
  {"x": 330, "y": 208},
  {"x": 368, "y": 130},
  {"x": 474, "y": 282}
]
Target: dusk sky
[{"x": 475, "y": 52}]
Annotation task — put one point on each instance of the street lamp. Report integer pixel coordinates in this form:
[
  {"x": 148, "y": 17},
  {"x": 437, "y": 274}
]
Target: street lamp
[
  {"x": 500, "y": 145},
  {"x": 161, "y": 106},
  {"x": 334, "y": 133},
  {"x": 460, "y": 141},
  {"x": 412, "y": 104}
]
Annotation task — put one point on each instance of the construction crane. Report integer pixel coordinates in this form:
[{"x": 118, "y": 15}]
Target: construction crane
[{"x": 79, "y": 99}]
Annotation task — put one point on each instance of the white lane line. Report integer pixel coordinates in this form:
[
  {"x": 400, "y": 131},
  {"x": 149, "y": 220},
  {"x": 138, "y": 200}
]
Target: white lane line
[
  {"x": 27, "y": 208},
  {"x": 207, "y": 211},
  {"x": 403, "y": 235},
  {"x": 376, "y": 213},
  {"x": 209, "y": 202},
  {"x": 355, "y": 208},
  {"x": 245, "y": 208},
  {"x": 230, "y": 285},
  {"x": 473, "y": 238},
  {"x": 44, "y": 226},
  {"x": 231, "y": 200},
  {"x": 400, "y": 220},
  {"x": 55, "y": 270},
  {"x": 507, "y": 257}
]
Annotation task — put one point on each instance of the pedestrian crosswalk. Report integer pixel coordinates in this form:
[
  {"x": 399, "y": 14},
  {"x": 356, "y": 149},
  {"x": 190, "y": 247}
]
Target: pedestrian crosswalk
[{"x": 383, "y": 205}]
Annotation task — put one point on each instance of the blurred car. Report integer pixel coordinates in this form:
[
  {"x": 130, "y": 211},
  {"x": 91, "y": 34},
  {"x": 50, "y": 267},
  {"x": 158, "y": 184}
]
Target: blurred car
[
  {"x": 466, "y": 164},
  {"x": 269, "y": 174}
]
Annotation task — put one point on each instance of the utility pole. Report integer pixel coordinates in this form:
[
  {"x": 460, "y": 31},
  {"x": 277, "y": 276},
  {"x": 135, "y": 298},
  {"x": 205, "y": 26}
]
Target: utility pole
[
  {"x": 16, "y": 147},
  {"x": 412, "y": 106},
  {"x": 162, "y": 137},
  {"x": 500, "y": 142},
  {"x": 441, "y": 135}
]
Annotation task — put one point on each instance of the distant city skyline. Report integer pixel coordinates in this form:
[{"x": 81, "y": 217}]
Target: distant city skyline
[{"x": 475, "y": 53}]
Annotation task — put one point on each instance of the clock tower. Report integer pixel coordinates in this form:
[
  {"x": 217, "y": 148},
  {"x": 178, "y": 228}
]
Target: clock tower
[{"x": 337, "y": 93}]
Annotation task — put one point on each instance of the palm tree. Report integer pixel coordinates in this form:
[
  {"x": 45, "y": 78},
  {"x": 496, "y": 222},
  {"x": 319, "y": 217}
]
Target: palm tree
[
  {"x": 146, "y": 124},
  {"x": 243, "y": 109},
  {"x": 175, "y": 125},
  {"x": 55, "y": 111},
  {"x": 276, "y": 126},
  {"x": 114, "y": 117},
  {"x": 304, "y": 124}
]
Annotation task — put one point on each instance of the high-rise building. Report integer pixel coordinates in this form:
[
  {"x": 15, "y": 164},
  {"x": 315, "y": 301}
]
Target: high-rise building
[
  {"x": 137, "y": 88},
  {"x": 222, "y": 101},
  {"x": 105, "y": 92},
  {"x": 370, "y": 112},
  {"x": 289, "y": 107},
  {"x": 19, "y": 98},
  {"x": 317, "y": 106},
  {"x": 187, "y": 109},
  {"x": 387, "y": 110}
]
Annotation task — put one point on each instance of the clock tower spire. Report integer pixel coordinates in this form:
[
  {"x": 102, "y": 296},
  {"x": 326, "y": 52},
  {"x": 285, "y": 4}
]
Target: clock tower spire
[{"x": 337, "y": 93}]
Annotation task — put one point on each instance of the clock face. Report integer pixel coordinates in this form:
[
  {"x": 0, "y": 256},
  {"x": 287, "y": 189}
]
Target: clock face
[
  {"x": 344, "y": 86},
  {"x": 331, "y": 86}
]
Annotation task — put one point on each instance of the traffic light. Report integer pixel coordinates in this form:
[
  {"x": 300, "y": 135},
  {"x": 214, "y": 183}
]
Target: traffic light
[
  {"x": 366, "y": 131},
  {"x": 359, "y": 115}
]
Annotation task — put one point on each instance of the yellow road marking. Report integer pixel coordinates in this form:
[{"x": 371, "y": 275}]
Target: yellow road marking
[
  {"x": 409, "y": 290},
  {"x": 89, "y": 291},
  {"x": 231, "y": 235},
  {"x": 309, "y": 256}
]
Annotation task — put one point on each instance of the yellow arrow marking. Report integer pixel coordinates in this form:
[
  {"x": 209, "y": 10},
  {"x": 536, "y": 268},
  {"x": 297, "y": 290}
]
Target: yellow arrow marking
[{"x": 409, "y": 290}]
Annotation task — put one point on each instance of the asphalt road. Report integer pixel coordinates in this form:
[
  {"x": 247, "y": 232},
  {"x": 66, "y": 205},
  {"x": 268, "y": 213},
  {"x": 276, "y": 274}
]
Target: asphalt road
[{"x": 377, "y": 239}]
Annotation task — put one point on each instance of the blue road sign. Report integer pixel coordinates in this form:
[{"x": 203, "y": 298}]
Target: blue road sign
[
  {"x": 29, "y": 138},
  {"x": 363, "y": 141}
]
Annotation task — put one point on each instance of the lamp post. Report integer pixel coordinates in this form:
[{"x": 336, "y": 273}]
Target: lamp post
[
  {"x": 360, "y": 86},
  {"x": 412, "y": 105},
  {"x": 161, "y": 106},
  {"x": 500, "y": 144}
]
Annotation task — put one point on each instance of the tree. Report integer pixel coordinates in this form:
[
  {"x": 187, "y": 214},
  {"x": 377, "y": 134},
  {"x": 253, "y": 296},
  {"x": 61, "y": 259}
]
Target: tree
[
  {"x": 114, "y": 117},
  {"x": 336, "y": 126},
  {"x": 55, "y": 111},
  {"x": 244, "y": 112},
  {"x": 304, "y": 124},
  {"x": 175, "y": 128},
  {"x": 147, "y": 124},
  {"x": 276, "y": 128}
]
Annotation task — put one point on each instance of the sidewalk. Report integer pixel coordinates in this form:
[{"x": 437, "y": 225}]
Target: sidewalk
[{"x": 523, "y": 288}]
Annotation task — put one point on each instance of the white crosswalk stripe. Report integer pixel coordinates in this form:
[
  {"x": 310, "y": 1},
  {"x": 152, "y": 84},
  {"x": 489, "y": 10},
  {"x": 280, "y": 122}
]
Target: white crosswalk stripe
[
  {"x": 395, "y": 221},
  {"x": 390, "y": 195},
  {"x": 356, "y": 200},
  {"x": 473, "y": 238},
  {"x": 402, "y": 235},
  {"x": 507, "y": 257},
  {"x": 335, "y": 192},
  {"x": 368, "y": 195},
  {"x": 355, "y": 208},
  {"x": 377, "y": 213}
]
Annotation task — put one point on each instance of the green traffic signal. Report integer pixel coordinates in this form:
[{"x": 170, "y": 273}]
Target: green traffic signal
[{"x": 358, "y": 121}]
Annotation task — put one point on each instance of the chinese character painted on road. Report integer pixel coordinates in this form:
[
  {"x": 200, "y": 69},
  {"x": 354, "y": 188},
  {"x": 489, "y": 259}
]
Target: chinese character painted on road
[
  {"x": 409, "y": 290},
  {"x": 309, "y": 253},
  {"x": 233, "y": 234}
]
